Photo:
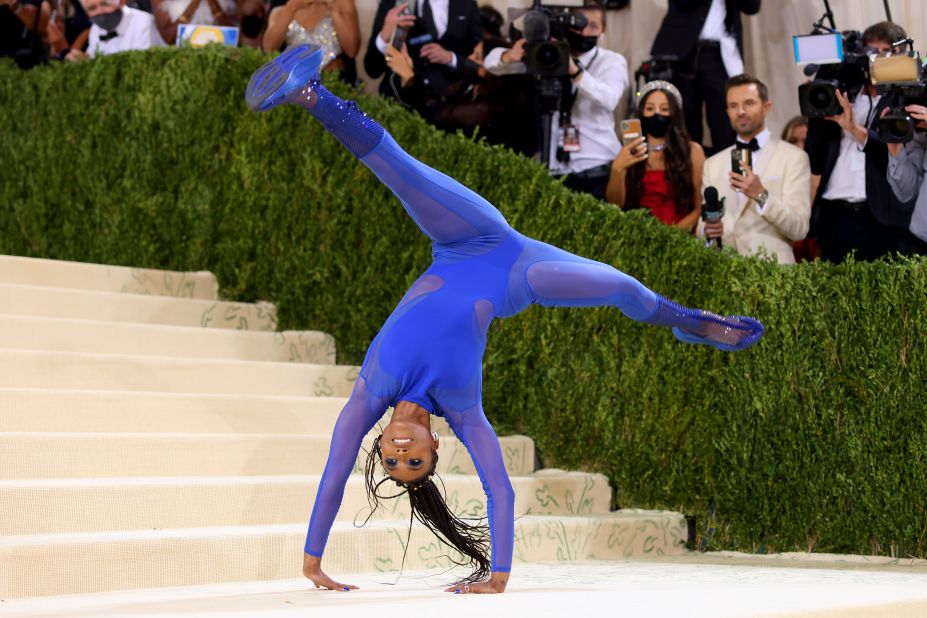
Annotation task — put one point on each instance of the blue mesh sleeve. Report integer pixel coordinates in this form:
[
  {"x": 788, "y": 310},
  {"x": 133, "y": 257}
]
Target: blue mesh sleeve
[
  {"x": 356, "y": 419},
  {"x": 475, "y": 432}
]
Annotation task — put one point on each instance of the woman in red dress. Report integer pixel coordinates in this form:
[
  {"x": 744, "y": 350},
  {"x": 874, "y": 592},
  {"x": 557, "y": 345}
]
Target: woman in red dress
[{"x": 661, "y": 171}]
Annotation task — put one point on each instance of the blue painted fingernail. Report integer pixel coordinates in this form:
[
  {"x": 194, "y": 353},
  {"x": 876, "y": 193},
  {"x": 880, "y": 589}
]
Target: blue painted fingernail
[
  {"x": 457, "y": 592},
  {"x": 346, "y": 589}
]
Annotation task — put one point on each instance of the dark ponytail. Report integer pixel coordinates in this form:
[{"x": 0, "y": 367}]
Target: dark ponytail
[{"x": 430, "y": 508}]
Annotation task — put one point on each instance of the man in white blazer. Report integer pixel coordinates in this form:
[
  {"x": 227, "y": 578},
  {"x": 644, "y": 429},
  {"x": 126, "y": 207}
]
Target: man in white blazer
[{"x": 768, "y": 205}]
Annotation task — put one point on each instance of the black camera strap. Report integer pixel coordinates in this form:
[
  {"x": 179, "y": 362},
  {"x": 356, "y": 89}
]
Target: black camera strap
[{"x": 570, "y": 91}]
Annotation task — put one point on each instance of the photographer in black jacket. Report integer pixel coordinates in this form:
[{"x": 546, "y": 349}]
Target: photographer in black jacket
[
  {"x": 854, "y": 208},
  {"x": 706, "y": 37}
]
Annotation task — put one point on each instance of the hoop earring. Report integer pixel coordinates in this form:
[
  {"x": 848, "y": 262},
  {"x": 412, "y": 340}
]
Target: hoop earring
[{"x": 434, "y": 435}]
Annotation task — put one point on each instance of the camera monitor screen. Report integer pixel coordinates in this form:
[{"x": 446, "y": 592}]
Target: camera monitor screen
[{"x": 818, "y": 48}]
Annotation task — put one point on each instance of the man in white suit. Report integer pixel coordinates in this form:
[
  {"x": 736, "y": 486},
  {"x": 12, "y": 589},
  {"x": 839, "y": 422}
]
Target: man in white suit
[{"x": 768, "y": 205}]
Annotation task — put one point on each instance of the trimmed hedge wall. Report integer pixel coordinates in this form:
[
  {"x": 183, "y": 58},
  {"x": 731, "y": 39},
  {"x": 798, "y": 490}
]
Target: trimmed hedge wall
[{"x": 815, "y": 439}]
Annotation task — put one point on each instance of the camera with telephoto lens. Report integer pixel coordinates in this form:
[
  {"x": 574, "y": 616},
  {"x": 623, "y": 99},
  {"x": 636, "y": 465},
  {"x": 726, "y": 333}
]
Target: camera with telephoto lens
[
  {"x": 901, "y": 76},
  {"x": 545, "y": 57},
  {"x": 848, "y": 72}
]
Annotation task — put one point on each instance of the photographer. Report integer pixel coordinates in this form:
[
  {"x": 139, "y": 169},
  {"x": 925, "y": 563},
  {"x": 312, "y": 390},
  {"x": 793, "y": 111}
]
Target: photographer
[
  {"x": 906, "y": 172},
  {"x": 854, "y": 208},
  {"x": 585, "y": 128}
]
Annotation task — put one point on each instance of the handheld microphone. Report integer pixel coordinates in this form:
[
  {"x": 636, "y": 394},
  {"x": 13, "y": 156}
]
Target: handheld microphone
[
  {"x": 811, "y": 69},
  {"x": 419, "y": 40},
  {"x": 712, "y": 211}
]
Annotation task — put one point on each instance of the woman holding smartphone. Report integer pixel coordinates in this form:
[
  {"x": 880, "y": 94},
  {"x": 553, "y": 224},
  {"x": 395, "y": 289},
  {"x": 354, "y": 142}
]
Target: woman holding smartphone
[{"x": 659, "y": 167}]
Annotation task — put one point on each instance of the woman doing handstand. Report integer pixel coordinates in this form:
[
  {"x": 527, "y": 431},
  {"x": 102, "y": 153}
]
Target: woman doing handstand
[{"x": 427, "y": 358}]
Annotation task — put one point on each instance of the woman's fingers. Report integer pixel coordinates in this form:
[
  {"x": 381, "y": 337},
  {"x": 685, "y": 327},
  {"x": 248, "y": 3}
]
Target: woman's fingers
[{"x": 475, "y": 588}]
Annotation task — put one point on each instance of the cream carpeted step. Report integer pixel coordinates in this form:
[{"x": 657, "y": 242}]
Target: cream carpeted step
[
  {"x": 16, "y": 299},
  {"x": 35, "y": 410},
  {"x": 98, "y": 455},
  {"x": 69, "y": 564},
  {"x": 68, "y": 335},
  {"x": 74, "y": 370},
  {"x": 97, "y": 505},
  {"x": 102, "y": 278}
]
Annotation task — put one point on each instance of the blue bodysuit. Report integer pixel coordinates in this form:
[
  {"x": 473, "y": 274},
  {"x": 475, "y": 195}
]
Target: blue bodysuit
[{"x": 430, "y": 349}]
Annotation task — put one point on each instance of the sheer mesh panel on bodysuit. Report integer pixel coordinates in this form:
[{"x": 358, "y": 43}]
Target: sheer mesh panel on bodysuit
[
  {"x": 445, "y": 210},
  {"x": 358, "y": 417},
  {"x": 571, "y": 281}
]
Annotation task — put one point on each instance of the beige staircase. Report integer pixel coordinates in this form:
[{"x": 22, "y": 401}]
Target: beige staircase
[{"x": 154, "y": 435}]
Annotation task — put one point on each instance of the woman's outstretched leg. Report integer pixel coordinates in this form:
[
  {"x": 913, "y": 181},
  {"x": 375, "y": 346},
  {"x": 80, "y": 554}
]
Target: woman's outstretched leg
[
  {"x": 557, "y": 278},
  {"x": 445, "y": 210}
]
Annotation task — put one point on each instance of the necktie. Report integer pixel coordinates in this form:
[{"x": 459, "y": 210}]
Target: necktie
[
  {"x": 753, "y": 145},
  {"x": 429, "y": 20}
]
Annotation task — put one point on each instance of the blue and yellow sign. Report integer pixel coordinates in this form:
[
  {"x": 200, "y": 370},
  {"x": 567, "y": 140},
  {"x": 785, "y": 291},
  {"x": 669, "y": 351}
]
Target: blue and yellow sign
[{"x": 196, "y": 35}]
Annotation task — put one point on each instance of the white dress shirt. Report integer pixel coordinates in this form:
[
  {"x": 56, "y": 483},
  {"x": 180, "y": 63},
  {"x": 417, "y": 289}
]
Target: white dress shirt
[
  {"x": 848, "y": 180},
  {"x": 136, "y": 30},
  {"x": 714, "y": 30},
  {"x": 603, "y": 83}
]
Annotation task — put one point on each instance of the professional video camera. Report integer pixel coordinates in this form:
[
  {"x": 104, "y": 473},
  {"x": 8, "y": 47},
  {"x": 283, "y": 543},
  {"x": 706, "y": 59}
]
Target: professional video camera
[
  {"x": 900, "y": 75},
  {"x": 837, "y": 61},
  {"x": 655, "y": 68},
  {"x": 545, "y": 57}
]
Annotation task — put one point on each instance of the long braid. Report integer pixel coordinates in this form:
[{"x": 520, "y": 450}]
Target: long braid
[{"x": 429, "y": 507}]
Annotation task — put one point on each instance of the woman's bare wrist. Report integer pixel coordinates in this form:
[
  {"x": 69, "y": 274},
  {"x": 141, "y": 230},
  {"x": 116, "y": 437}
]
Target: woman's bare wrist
[{"x": 498, "y": 581}]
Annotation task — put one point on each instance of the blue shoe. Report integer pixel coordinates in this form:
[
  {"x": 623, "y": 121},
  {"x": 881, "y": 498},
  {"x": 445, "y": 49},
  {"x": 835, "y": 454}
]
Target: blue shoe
[
  {"x": 752, "y": 332},
  {"x": 285, "y": 74}
]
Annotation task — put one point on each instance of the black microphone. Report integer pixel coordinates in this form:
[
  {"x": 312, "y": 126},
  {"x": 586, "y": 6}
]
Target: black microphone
[
  {"x": 712, "y": 211},
  {"x": 536, "y": 26}
]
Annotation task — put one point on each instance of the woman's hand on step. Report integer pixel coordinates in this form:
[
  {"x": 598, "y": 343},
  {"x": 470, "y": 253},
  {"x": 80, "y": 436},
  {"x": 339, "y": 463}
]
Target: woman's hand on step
[
  {"x": 312, "y": 569},
  {"x": 494, "y": 585}
]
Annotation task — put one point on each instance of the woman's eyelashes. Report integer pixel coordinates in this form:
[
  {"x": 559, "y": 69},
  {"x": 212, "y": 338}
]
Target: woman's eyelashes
[{"x": 391, "y": 463}]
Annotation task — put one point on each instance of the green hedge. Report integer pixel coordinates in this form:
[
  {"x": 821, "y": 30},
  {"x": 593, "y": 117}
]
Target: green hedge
[{"x": 814, "y": 439}]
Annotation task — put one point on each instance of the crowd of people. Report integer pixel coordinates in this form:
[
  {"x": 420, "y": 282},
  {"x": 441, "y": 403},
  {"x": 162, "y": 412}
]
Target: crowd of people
[{"x": 821, "y": 188}]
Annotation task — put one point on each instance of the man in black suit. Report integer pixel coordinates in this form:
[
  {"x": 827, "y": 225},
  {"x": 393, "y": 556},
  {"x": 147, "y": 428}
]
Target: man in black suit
[
  {"x": 706, "y": 37},
  {"x": 448, "y": 30},
  {"x": 854, "y": 208}
]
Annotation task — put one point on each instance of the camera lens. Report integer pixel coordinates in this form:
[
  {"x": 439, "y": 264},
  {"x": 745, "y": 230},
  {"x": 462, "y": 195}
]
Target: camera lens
[
  {"x": 821, "y": 97},
  {"x": 899, "y": 127},
  {"x": 548, "y": 56}
]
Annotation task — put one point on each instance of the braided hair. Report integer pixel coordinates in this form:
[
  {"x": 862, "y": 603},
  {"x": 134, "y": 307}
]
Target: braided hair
[{"x": 430, "y": 508}]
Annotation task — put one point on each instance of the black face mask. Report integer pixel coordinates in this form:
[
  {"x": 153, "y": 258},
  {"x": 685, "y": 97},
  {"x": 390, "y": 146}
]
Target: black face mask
[
  {"x": 108, "y": 21},
  {"x": 251, "y": 25},
  {"x": 656, "y": 125},
  {"x": 580, "y": 43}
]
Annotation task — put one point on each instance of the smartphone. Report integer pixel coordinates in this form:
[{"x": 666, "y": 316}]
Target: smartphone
[
  {"x": 630, "y": 130},
  {"x": 399, "y": 36},
  {"x": 739, "y": 155}
]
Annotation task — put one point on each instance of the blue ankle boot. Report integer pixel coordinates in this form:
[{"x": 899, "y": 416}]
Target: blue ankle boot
[{"x": 285, "y": 74}]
